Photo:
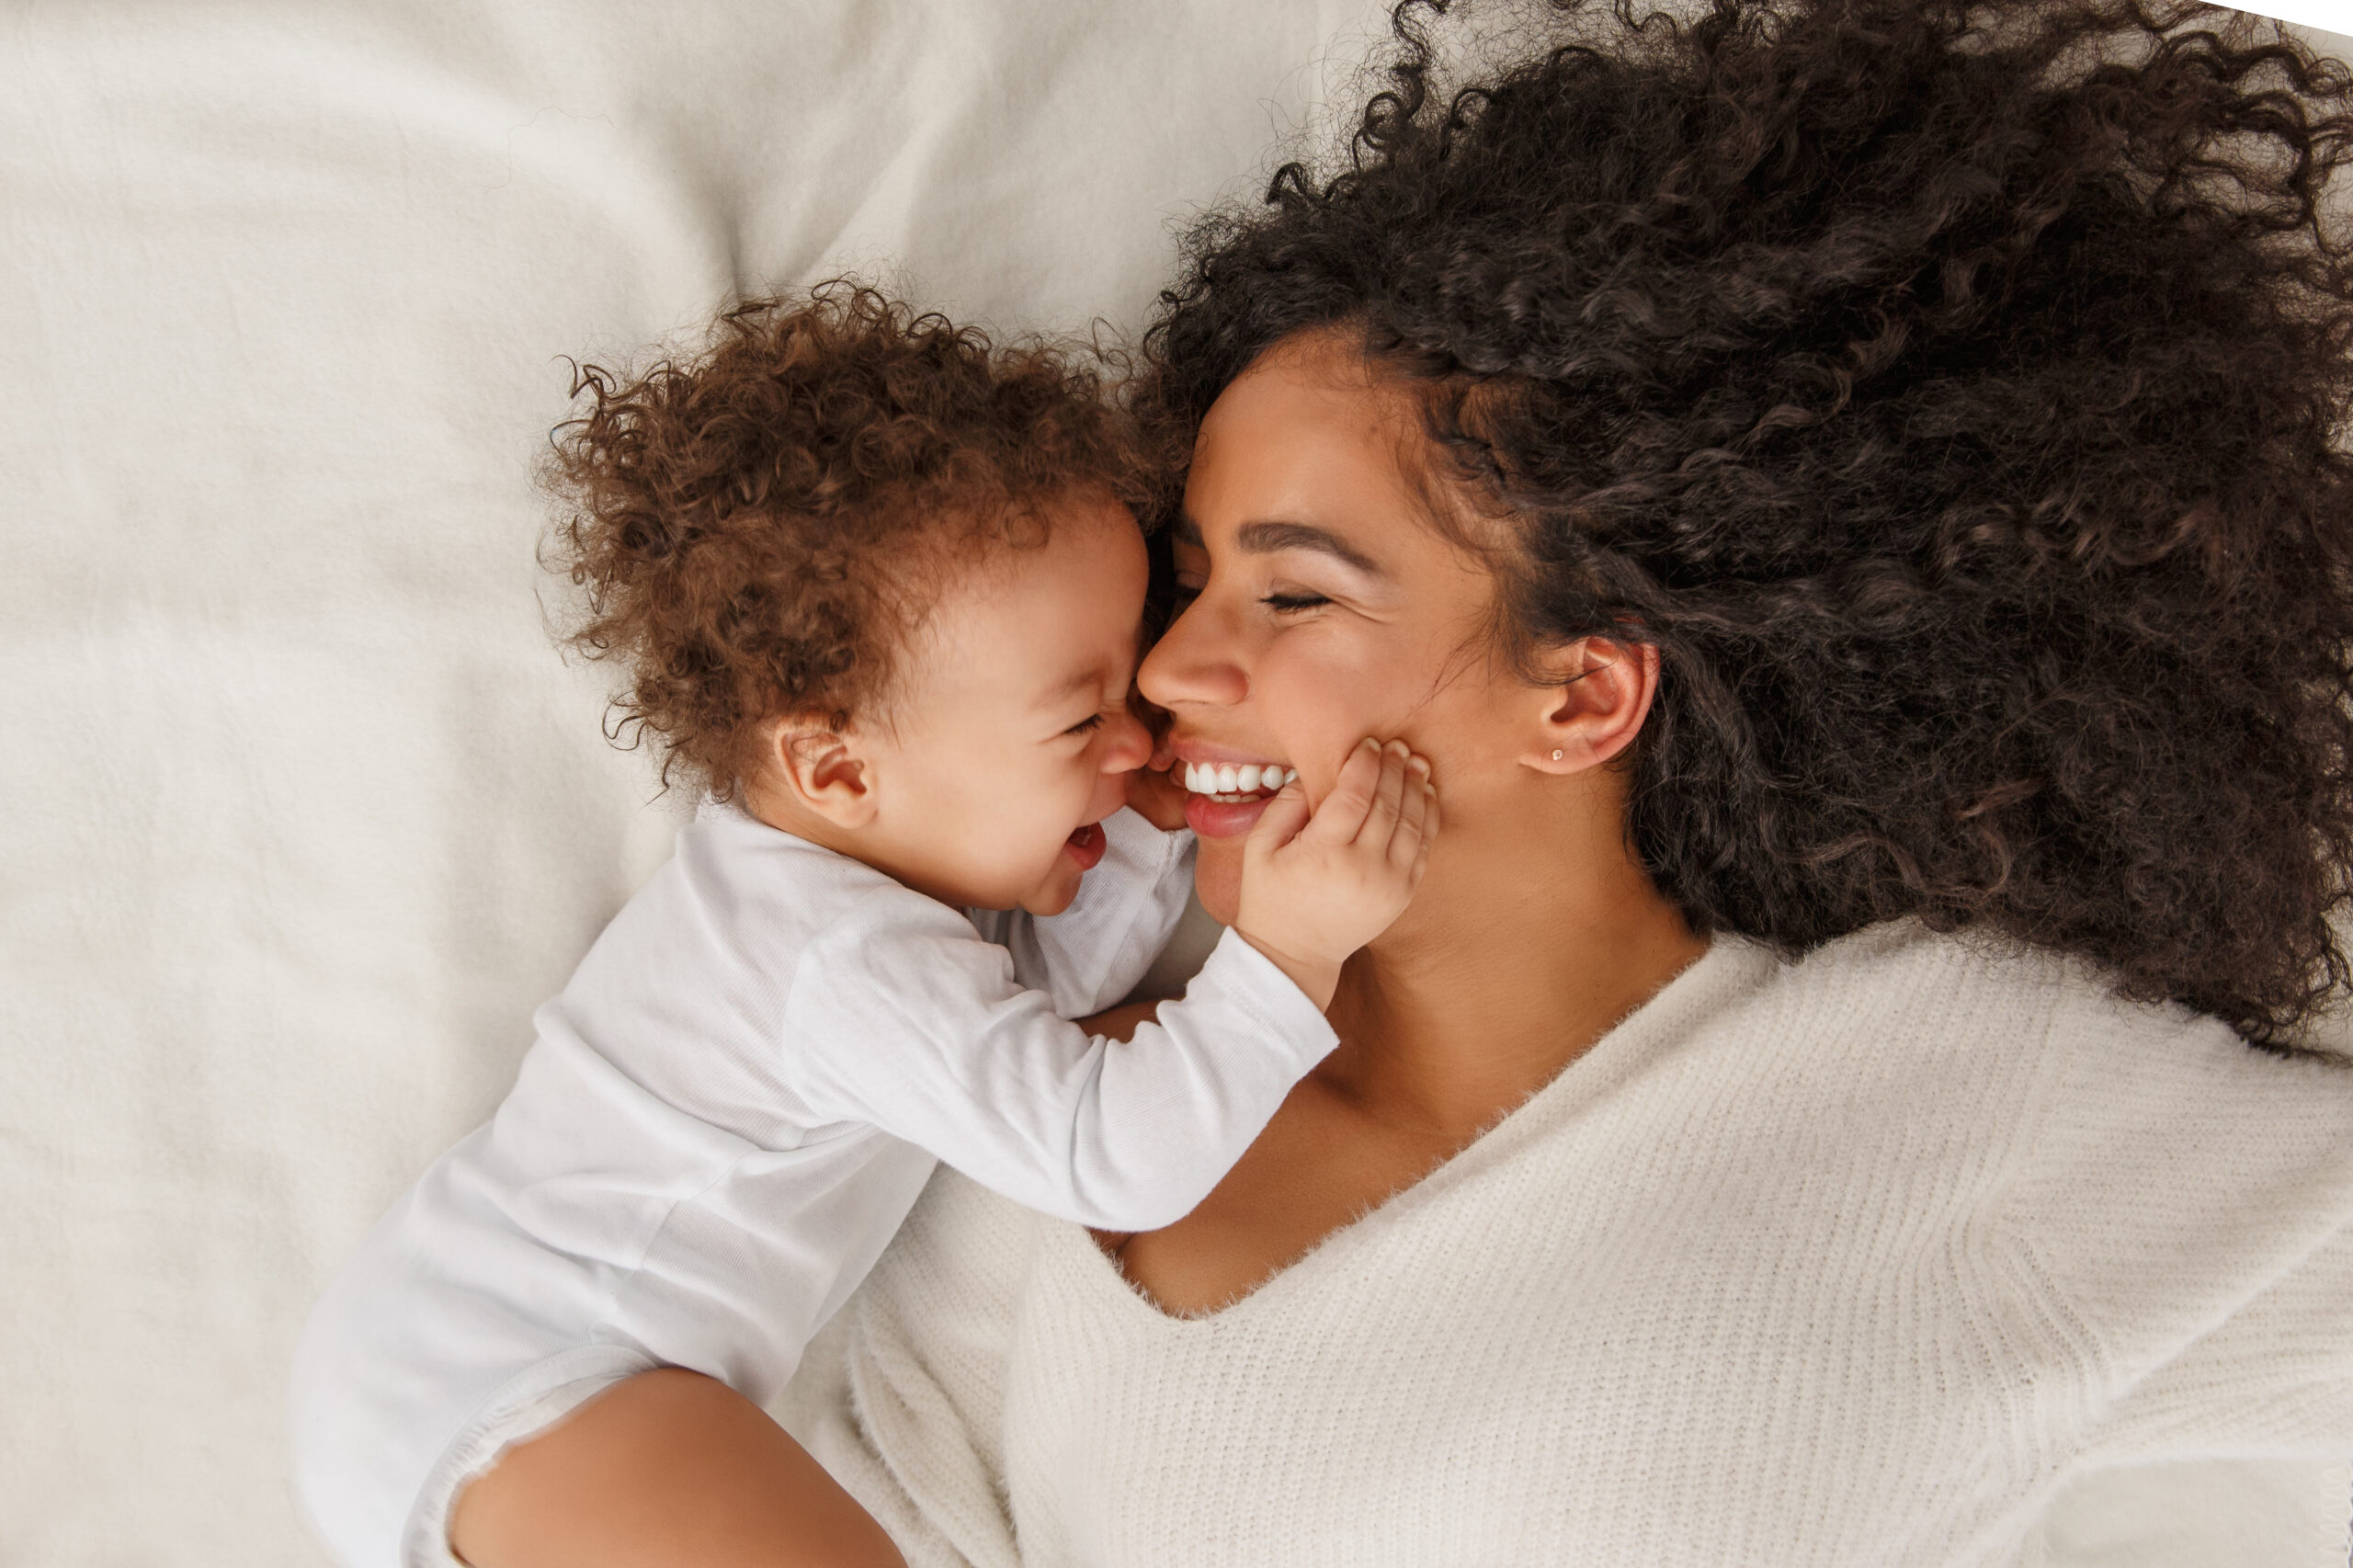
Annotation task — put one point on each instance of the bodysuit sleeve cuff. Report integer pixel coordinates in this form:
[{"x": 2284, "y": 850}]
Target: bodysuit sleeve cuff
[
  {"x": 1240, "y": 975},
  {"x": 527, "y": 1405}
]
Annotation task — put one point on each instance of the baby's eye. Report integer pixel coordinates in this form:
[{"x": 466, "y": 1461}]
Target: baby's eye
[
  {"x": 1291, "y": 603},
  {"x": 1091, "y": 723}
]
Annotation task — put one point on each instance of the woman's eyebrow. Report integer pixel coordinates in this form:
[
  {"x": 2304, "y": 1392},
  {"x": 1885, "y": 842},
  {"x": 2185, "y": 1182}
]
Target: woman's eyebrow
[{"x": 1265, "y": 539}]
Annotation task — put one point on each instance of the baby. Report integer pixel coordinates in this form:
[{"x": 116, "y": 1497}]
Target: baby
[{"x": 879, "y": 589}]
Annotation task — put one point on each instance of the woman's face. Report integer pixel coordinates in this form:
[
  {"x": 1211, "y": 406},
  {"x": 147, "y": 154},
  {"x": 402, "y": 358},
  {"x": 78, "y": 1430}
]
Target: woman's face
[{"x": 1323, "y": 607}]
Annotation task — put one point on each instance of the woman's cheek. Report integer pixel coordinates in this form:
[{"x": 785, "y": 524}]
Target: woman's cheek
[{"x": 1217, "y": 877}]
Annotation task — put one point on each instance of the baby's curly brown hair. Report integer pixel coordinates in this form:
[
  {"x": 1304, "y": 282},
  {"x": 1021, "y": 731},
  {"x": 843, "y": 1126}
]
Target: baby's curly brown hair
[{"x": 758, "y": 531}]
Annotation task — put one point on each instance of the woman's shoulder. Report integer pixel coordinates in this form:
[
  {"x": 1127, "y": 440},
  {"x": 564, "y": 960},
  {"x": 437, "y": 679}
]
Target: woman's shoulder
[
  {"x": 2148, "y": 1102},
  {"x": 2179, "y": 1199},
  {"x": 2099, "y": 1133},
  {"x": 2114, "y": 1073},
  {"x": 2161, "y": 1137},
  {"x": 1902, "y": 985}
]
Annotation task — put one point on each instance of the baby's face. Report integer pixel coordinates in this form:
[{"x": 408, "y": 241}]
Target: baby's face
[{"x": 1012, "y": 737}]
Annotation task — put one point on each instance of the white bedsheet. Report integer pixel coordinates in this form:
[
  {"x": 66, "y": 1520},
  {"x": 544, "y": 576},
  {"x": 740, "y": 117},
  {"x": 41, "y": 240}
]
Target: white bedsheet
[{"x": 300, "y": 814}]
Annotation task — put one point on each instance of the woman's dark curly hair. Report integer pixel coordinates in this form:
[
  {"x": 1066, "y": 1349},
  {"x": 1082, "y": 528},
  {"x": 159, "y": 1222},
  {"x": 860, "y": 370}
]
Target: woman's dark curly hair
[
  {"x": 1951, "y": 390},
  {"x": 757, "y": 531}
]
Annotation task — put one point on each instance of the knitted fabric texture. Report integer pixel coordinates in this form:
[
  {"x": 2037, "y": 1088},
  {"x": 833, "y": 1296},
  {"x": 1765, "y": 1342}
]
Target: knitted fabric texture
[{"x": 1858, "y": 1260}]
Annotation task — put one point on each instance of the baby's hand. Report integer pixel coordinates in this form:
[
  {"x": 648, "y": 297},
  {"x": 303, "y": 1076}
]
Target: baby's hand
[{"x": 1313, "y": 890}]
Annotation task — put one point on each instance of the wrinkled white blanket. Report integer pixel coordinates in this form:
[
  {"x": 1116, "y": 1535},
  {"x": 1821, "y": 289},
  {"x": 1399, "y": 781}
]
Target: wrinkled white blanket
[
  {"x": 303, "y": 813},
  {"x": 300, "y": 814}
]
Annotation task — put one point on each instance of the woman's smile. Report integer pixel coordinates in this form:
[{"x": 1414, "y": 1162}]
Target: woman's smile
[
  {"x": 1226, "y": 781},
  {"x": 1225, "y": 790}
]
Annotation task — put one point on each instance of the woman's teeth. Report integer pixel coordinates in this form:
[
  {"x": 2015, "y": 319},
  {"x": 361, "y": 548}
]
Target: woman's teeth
[{"x": 1224, "y": 782}]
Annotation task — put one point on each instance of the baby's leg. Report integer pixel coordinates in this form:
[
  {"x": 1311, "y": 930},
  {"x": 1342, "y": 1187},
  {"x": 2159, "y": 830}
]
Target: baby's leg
[{"x": 669, "y": 1470}]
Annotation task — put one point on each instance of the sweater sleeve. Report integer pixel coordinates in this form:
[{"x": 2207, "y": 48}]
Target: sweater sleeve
[
  {"x": 922, "y": 1029},
  {"x": 2189, "y": 1207},
  {"x": 2272, "y": 1379},
  {"x": 2239, "y": 1446},
  {"x": 1091, "y": 955}
]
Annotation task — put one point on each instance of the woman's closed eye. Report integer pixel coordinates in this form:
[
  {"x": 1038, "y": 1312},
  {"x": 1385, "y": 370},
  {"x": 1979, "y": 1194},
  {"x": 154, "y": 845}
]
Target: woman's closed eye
[{"x": 1292, "y": 603}]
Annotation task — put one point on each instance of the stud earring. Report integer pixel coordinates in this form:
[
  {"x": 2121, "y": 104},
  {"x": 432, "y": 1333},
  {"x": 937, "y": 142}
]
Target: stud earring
[{"x": 1556, "y": 756}]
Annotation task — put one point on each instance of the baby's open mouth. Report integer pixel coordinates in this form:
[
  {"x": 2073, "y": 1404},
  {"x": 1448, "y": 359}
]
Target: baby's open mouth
[
  {"x": 1086, "y": 844},
  {"x": 1229, "y": 785}
]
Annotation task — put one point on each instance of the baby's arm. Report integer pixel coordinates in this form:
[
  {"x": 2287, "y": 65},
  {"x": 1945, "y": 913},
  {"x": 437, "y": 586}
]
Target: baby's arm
[{"x": 926, "y": 1034}]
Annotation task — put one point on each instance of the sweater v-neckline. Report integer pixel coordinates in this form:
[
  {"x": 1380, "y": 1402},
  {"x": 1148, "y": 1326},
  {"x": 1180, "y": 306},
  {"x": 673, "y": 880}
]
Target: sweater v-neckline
[{"x": 1730, "y": 968}]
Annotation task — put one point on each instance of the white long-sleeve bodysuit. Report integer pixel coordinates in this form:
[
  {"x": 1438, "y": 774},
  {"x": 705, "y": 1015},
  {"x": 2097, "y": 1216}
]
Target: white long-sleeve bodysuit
[{"x": 725, "y": 1116}]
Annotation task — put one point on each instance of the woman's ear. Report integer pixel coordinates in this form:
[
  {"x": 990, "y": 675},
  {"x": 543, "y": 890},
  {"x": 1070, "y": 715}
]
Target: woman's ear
[
  {"x": 817, "y": 769},
  {"x": 1597, "y": 707}
]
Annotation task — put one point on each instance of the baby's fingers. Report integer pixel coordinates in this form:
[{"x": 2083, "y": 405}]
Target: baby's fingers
[
  {"x": 1341, "y": 814},
  {"x": 1283, "y": 819},
  {"x": 1430, "y": 832},
  {"x": 1388, "y": 793},
  {"x": 1416, "y": 818}
]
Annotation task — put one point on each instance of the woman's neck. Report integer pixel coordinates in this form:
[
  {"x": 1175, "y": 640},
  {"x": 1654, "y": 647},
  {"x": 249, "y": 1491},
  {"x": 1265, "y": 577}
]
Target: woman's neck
[{"x": 1499, "y": 976}]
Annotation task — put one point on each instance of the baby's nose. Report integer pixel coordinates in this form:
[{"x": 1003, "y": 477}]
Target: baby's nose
[{"x": 1131, "y": 744}]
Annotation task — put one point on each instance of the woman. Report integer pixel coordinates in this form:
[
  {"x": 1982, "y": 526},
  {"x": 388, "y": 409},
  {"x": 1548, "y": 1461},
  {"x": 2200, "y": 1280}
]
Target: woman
[{"x": 1846, "y": 496}]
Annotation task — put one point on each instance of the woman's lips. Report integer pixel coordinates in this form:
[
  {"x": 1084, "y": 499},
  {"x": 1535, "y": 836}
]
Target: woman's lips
[
  {"x": 1086, "y": 846},
  {"x": 1222, "y": 819}
]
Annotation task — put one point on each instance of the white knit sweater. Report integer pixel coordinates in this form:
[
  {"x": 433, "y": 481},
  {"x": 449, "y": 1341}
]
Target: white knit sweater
[{"x": 1856, "y": 1261}]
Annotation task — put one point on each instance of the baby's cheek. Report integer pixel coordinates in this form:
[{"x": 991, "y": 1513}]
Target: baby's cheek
[
  {"x": 1106, "y": 793},
  {"x": 1217, "y": 877}
]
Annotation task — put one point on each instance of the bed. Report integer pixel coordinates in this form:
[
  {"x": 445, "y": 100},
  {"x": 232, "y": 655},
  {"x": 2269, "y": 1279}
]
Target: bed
[{"x": 303, "y": 813}]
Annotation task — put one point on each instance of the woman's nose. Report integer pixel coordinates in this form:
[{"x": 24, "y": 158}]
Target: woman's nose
[{"x": 1187, "y": 667}]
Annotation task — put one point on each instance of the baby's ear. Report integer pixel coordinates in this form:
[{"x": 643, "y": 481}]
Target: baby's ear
[{"x": 819, "y": 767}]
